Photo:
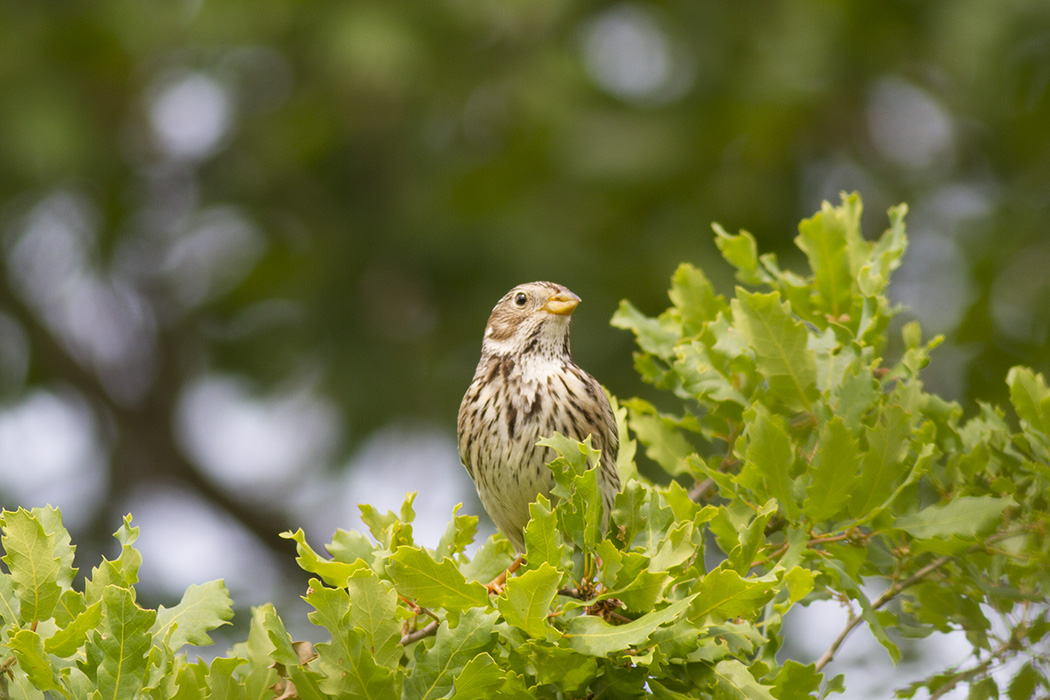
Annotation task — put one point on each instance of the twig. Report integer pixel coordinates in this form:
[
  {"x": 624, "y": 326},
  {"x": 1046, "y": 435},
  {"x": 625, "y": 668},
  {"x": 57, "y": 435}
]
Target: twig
[
  {"x": 828, "y": 655},
  {"x": 571, "y": 593},
  {"x": 887, "y": 595},
  {"x": 699, "y": 492},
  {"x": 820, "y": 539},
  {"x": 428, "y": 631},
  {"x": 899, "y": 586},
  {"x": 418, "y": 609},
  {"x": 1007, "y": 646}
]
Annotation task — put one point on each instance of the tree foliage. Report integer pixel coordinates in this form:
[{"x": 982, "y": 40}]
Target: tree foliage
[{"x": 806, "y": 466}]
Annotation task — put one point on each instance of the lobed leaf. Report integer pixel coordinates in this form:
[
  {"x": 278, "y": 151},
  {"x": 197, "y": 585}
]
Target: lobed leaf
[
  {"x": 964, "y": 516},
  {"x": 770, "y": 455},
  {"x": 732, "y": 679},
  {"x": 350, "y": 546},
  {"x": 458, "y": 535},
  {"x": 779, "y": 342},
  {"x": 202, "y": 609},
  {"x": 433, "y": 584},
  {"x": 543, "y": 541},
  {"x": 724, "y": 594},
  {"x": 33, "y": 660},
  {"x": 335, "y": 573},
  {"x": 480, "y": 679},
  {"x": 881, "y": 465},
  {"x": 526, "y": 601},
  {"x": 834, "y": 474},
  {"x": 1030, "y": 397},
  {"x": 829, "y": 239},
  {"x": 123, "y": 571},
  {"x": 595, "y": 637},
  {"x": 349, "y": 665},
  {"x": 9, "y": 604},
  {"x": 373, "y": 604},
  {"x": 66, "y": 641},
  {"x": 656, "y": 336},
  {"x": 694, "y": 298},
  {"x": 567, "y": 669},
  {"x": 124, "y": 646},
  {"x": 436, "y": 668},
  {"x": 37, "y": 560},
  {"x": 740, "y": 251},
  {"x": 664, "y": 444},
  {"x": 220, "y": 680},
  {"x": 284, "y": 652}
]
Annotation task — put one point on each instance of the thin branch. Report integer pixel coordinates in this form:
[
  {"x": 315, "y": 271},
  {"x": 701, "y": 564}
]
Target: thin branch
[
  {"x": 699, "y": 492},
  {"x": 820, "y": 539},
  {"x": 828, "y": 655},
  {"x": 1007, "y": 646},
  {"x": 422, "y": 633},
  {"x": 418, "y": 609},
  {"x": 900, "y": 586}
]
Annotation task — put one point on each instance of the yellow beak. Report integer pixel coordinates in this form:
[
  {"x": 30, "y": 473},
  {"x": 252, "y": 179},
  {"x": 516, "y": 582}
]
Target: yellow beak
[{"x": 562, "y": 303}]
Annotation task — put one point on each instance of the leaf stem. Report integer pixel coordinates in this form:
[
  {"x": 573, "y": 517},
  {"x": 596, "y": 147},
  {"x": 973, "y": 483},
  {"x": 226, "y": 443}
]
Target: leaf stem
[
  {"x": 700, "y": 491},
  {"x": 418, "y": 609}
]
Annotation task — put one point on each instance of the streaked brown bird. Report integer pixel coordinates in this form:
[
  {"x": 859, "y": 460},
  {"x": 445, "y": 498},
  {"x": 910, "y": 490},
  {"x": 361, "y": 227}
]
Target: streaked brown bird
[{"x": 527, "y": 387}]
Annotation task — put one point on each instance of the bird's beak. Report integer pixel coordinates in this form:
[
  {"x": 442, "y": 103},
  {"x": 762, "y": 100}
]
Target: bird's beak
[{"x": 562, "y": 303}]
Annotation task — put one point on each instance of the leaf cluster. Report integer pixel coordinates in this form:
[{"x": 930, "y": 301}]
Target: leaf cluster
[
  {"x": 823, "y": 455},
  {"x": 97, "y": 642},
  {"x": 802, "y": 465}
]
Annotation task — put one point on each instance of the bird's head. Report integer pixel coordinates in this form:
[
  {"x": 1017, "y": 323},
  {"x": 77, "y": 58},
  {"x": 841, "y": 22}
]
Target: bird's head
[{"x": 531, "y": 318}]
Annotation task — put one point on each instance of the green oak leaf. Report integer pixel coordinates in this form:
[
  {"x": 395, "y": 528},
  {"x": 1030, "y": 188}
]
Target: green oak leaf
[
  {"x": 203, "y": 608},
  {"x": 964, "y": 516},
  {"x": 569, "y": 670},
  {"x": 480, "y": 679},
  {"x": 66, "y": 641},
  {"x": 37, "y": 562},
  {"x": 373, "y": 604},
  {"x": 436, "y": 668},
  {"x": 432, "y": 584},
  {"x": 526, "y": 600},
  {"x": 33, "y": 660},
  {"x": 723, "y": 594},
  {"x": 779, "y": 341},
  {"x": 122, "y": 645},
  {"x": 332, "y": 571},
  {"x": 834, "y": 473},
  {"x": 769, "y": 456},
  {"x": 595, "y": 637},
  {"x": 543, "y": 541},
  {"x": 1030, "y": 397}
]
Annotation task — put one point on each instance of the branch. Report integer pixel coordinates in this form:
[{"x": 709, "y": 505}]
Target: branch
[
  {"x": 702, "y": 490},
  {"x": 899, "y": 586},
  {"x": 571, "y": 593},
  {"x": 1009, "y": 645},
  {"x": 418, "y": 609},
  {"x": 428, "y": 631}
]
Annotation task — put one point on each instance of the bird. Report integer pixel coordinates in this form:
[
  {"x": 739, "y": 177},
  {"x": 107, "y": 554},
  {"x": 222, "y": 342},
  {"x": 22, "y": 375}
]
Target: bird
[{"x": 527, "y": 387}]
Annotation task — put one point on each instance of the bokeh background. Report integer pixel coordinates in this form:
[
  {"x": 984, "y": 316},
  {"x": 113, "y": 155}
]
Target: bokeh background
[{"x": 248, "y": 248}]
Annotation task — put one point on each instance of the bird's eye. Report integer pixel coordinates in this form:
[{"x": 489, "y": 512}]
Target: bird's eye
[{"x": 520, "y": 299}]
